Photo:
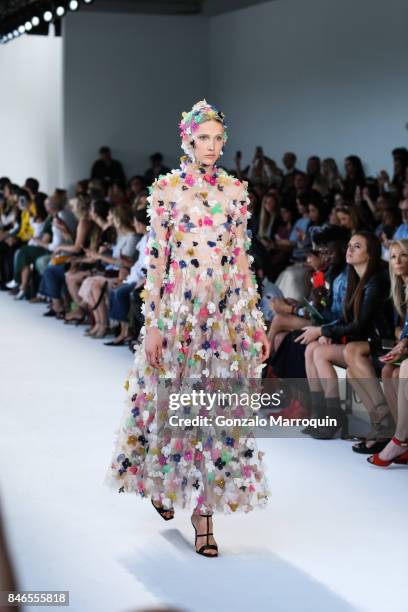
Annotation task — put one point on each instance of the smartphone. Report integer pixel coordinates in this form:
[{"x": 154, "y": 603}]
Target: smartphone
[{"x": 387, "y": 344}]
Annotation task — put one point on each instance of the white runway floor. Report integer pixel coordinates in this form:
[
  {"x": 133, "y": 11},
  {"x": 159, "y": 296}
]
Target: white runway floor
[{"x": 333, "y": 539}]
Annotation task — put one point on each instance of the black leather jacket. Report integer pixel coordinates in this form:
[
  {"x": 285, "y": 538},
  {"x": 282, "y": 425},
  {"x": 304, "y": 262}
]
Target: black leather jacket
[{"x": 374, "y": 320}]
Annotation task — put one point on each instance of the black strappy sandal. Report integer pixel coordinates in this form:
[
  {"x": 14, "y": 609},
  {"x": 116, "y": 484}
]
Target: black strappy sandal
[
  {"x": 208, "y": 546},
  {"x": 377, "y": 447},
  {"x": 162, "y": 511}
]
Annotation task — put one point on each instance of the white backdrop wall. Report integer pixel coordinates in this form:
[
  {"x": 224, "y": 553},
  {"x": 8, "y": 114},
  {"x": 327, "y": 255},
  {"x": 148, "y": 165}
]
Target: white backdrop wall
[
  {"x": 325, "y": 77},
  {"x": 126, "y": 80},
  {"x": 31, "y": 110}
]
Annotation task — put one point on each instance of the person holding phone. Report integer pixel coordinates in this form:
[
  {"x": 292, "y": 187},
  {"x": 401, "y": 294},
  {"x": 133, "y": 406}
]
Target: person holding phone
[{"x": 395, "y": 370}]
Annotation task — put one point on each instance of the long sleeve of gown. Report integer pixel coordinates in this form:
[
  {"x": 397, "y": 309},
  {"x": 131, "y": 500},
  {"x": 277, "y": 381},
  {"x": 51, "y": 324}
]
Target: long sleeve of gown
[
  {"x": 157, "y": 252},
  {"x": 243, "y": 258}
]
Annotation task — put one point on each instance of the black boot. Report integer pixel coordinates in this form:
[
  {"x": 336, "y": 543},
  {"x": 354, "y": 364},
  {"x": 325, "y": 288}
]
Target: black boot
[
  {"x": 333, "y": 411},
  {"x": 317, "y": 405}
]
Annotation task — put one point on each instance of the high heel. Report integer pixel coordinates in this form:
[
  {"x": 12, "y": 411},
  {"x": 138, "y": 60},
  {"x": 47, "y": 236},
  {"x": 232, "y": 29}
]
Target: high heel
[
  {"x": 207, "y": 546},
  {"x": 75, "y": 320},
  {"x": 162, "y": 511},
  {"x": 100, "y": 334},
  {"x": 400, "y": 459},
  {"x": 377, "y": 447}
]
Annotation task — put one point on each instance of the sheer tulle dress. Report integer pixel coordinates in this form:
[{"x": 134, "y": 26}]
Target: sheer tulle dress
[{"x": 202, "y": 295}]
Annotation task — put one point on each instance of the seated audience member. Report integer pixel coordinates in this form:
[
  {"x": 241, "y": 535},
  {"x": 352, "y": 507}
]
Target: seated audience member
[
  {"x": 332, "y": 176},
  {"x": 354, "y": 177},
  {"x": 140, "y": 201},
  {"x": 327, "y": 259},
  {"x": 107, "y": 169},
  {"x": 28, "y": 253},
  {"x": 116, "y": 260},
  {"x": 135, "y": 186},
  {"x": 261, "y": 171},
  {"x": 363, "y": 367},
  {"x": 22, "y": 230},
  {"x": 9, "y": 223},
  {"x": 402, "y": 231},
  {"x": 317, "y": 181},
  {"x": 300, "y": 187},
  {"x": 75, "y": 232},
  {"x": 156, "y": 169},
  {"x": 119, "y": 295},
  {"x": 102, "y": 235},
  {"x": 364, "y": 319},
  {"x": 117, "y": 195},
  {"x": 349, "y": 218},
  {"x": 294, "y": 281},
  {"x": 81, "y": 191},
  {"x": 288, "y": 180},
  {"x": 269, "y": 220}
]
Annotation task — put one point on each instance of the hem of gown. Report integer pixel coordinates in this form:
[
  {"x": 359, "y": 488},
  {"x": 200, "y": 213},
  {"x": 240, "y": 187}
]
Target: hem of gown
[{"x": 114, "y": 485}]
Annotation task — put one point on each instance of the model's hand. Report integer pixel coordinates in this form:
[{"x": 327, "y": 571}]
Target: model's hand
[
  {"x": 266, "y": 345},
  {"x": 153, "y": 347}
]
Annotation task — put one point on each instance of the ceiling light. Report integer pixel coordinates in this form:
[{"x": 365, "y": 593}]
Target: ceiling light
[
  {"x": 60, "y": 11},
  {"x": 73, "y": 5},
  {"x": 47, "y": 16},
  {"x": 35, "y": 21},
  {"x": 28, "y": 26},
  {"x": 21, "y": 29}
]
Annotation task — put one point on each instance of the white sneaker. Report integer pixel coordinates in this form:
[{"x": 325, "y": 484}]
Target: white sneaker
[
  {"x": 11, "y": 284},
  {"x": 20, "y": 295}
]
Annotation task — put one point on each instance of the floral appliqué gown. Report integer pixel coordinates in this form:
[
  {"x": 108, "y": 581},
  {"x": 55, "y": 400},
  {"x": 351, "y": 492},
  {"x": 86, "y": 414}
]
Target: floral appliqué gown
[{"x": 202, "y": 295}]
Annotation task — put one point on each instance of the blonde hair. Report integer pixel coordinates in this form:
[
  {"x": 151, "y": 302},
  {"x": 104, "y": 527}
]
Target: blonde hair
[{"x": 399, "y": 290}]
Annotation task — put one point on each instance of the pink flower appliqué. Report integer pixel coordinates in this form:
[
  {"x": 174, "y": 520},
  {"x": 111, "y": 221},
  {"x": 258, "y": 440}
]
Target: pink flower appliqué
[
  {"x": 208, "y": 221},
  {"x": 257, "y": 335},
  {"x": 210, "y": 179},
  {"x": 247, "y": 471},
  {"x": 189, "y": 180},
  {"x": 227, "y": 348}
]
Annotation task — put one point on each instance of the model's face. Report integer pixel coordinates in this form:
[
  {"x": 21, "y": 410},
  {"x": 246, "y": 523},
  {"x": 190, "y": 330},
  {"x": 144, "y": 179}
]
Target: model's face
[
  {"x": 209, "y": 140},
  {"x": 357, "y": 253},
  {"x": 399, "y": 260}
]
